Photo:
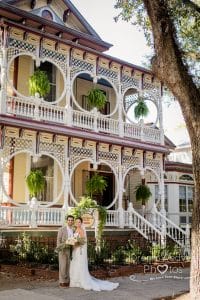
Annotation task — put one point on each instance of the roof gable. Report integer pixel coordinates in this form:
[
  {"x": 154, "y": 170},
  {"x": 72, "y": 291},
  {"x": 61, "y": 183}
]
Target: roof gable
[{"x": 63, "y": 12}]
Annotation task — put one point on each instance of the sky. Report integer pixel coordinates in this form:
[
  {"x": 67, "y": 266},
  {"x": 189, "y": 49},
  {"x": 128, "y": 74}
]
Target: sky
[{"x": 130, "y": 45}]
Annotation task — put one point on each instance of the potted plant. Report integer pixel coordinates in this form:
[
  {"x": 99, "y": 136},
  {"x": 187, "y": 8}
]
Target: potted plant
[
  {"x": 96, "y": 98},
  {"x": 39, "y": 85},
  {"x": 142, "y": 193},
  {"x": 141, "y": 109},
  {"x": 36, "y": 183}
]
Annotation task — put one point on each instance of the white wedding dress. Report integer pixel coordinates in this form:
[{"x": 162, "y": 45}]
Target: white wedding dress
[{"x": 79, "y": 273}]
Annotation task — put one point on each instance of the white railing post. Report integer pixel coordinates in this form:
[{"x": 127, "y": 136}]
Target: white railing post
[
  {"x": 130, "y": 217},
  {"x": 37, "y": 102},
  {"x": 153, "y": 211},
  {"x": 142, "y": 130},
  {"x": 96, "y": 114},
  {"x": 163, "y": 235},
  {"x": 187, "y": 242},
  {"x": 34, "y": 207},
  {"x": 121, "y": 217},
  {"x": 68, "y": 118}
]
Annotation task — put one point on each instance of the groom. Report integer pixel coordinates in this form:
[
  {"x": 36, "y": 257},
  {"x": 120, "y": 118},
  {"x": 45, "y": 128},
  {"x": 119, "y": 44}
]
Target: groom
[{"x": 64, "y": 233}]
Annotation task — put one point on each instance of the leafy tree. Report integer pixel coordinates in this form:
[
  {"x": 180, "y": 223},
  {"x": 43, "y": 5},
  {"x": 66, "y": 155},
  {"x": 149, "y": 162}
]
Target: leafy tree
[{"x": 173, "y": 29}]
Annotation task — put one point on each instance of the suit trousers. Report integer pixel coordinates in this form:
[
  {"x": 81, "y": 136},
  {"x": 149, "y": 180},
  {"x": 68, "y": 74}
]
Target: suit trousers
[{"x": 64, "y": 263}]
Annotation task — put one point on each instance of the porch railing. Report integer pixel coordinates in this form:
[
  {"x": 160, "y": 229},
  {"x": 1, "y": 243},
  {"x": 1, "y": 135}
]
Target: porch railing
[
  {"x": 135, "y": 220},
  {"x": 36, "y": 109},
  {"x": 19, "y": 216}
]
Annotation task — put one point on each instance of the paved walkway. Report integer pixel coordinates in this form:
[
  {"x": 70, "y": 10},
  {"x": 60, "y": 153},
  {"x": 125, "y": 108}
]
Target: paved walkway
[{"x": 136, "y": 287}]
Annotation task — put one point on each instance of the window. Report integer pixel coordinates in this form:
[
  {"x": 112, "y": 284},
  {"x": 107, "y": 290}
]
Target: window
[
  {"x": 183, "y": 220},
  {"x": 185, "y": 198},
  {"x": 46, "y": 14},
  {"x": 46, "y": 165},
  {"x": 157, "y": 198},
  {"x": 186, "y": 177},
  {"x": 190, "y": 198},
  {"x": 50, "y": 69},
  {"x": 182, "y": 199}
]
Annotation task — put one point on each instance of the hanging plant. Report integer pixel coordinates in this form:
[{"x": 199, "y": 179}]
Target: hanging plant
[
  {"x": 96, "y": 184},
  {"x": 141, "y": 109},
  {"x": 35, "y": 182},
  {"x": 96, "y": 98},
  {"x": 39, "y": 84},
  {"x": 142, "y": 193}
]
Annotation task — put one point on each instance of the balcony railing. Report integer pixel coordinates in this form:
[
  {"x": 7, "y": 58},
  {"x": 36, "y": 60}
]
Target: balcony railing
[{"x": 37, "y": 110}]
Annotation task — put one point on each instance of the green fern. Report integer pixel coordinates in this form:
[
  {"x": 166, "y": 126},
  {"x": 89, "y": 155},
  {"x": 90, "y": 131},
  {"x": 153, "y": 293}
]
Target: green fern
[
  {"x": 35, "y": 182},
  {"x": 96, "y": 184},
  {"x": 39, "y": 83},
  {"x": 96, "y": 98},
  {"x": 141, "y": 109},
  {"x": 142, "y": 193}
]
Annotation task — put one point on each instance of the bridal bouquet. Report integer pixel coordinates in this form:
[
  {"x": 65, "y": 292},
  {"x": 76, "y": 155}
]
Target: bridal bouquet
[{"x": 72, "y": 241}]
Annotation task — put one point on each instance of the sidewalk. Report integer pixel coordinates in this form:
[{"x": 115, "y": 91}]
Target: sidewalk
[{"x": 137, "y": 287}]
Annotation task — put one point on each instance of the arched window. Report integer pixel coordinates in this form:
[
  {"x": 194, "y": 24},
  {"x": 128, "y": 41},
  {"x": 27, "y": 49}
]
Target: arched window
[
  {"x": 46, "y": 14},
  {"x": 186, "y": 177}
]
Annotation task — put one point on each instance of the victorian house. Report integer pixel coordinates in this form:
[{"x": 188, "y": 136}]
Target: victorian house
[{"x": 62, "y": 135}]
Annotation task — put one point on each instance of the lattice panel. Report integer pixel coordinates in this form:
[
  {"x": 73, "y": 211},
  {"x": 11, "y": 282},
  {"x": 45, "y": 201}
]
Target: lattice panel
[
  {"x": 129, "y": 161},
  {"x": 129, "y": 101},
  {"x": 13, "y": 144},
  {"x": 129, "y": 82},
  {"x": 79, "y": 65},
  {"x": 56, "y": 150},
  {"x": 108, "y": 156},
  {"x": 152, "y": 87},
  {"x": 16, "y": 47},
  {"x": 57, "y": 57},
  {"x": 77, "y": 154},
  {"x": 153, "y": 164},
  {"x": 112, "y": 75}
]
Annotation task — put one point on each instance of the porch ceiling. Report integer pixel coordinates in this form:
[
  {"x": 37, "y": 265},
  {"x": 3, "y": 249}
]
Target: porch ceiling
[{"x": 80, "y": 133}]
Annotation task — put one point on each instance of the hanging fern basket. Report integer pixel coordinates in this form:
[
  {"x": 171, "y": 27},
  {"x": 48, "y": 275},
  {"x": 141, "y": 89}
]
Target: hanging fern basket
[
  {"x": 35, "y": 182},
  {"x": 39, "y": 84},
  {"x": 96, "y": 98},
  {"x": 142, "y": 193},
  {"x": 141, "y": 109}
]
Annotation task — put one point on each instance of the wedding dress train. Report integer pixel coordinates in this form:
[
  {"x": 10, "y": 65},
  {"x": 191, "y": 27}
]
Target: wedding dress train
[{"x": 80, "y": 276}]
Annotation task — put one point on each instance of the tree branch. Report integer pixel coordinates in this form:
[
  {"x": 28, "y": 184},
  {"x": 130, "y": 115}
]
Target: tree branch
[
  {"x": 193, "y": 5},
  {"x": 168, "y": 64}
]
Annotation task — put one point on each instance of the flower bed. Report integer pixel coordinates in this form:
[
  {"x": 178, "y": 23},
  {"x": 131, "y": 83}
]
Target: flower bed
[{"x": 44, "y": 272}]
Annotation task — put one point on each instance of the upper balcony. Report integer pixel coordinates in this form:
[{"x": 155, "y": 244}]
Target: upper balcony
[{"x": 72, "y": 73}]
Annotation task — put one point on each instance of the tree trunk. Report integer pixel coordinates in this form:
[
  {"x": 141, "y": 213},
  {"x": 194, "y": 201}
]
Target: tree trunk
[{"x": 169, "y": 68}]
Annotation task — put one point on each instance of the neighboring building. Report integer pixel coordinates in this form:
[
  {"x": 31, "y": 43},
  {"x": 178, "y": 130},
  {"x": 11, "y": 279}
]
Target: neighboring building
[
  {"x": 60, "y": 134},
  {"x": 179, "y": 185}
]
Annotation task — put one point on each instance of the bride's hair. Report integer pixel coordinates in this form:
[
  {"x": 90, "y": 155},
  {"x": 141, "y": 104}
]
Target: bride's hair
[{"x": 79, "y": 218}]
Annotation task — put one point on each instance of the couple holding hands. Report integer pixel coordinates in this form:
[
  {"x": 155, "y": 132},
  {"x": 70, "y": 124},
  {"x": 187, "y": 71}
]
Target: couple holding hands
[{"x": 73, "y": 260}]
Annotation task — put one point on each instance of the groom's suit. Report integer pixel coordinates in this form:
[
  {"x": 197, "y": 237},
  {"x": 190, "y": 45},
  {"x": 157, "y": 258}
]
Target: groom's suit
[{"x": 63, "y": 256}]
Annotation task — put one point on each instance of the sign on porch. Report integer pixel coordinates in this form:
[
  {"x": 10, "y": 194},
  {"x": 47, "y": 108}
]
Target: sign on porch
[{"x": 88, "y": 220}]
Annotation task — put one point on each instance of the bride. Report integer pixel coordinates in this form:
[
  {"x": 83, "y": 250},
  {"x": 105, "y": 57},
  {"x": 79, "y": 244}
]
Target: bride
[{"x": 79, "y": 273}]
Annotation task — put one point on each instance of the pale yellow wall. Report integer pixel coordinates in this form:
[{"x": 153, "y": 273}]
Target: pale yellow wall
[
  {"x": 77, "y": 182},
  {"x": 24, "y": 72},
  {"x": 135, "y": 179},
  {"x": 19, "y": 176}
]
